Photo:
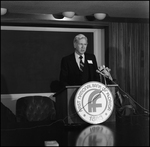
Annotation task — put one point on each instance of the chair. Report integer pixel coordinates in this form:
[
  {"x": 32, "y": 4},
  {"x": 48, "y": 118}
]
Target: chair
[
  {"x": 8, "y": 119},
  {"x": 35, "y": 108}
]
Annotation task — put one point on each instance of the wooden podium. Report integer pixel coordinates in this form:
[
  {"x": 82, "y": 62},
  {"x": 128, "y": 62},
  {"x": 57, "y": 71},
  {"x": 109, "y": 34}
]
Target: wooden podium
[{"x": 65, "y": 108}]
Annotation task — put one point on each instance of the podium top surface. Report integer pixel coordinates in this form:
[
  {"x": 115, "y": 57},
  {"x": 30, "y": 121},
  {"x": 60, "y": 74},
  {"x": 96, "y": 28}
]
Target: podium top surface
[
  {"x": 74, "y": 86},
  {"x": 78, "y": 86},
  {"x": 66, "y": 87},
  {"x": 112, "y": 85}
]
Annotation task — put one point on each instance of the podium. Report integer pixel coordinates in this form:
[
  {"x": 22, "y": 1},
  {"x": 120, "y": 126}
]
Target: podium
[{"x": 65, "y": 108}]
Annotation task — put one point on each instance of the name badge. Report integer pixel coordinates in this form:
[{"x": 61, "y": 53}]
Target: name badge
[{"x": 90, "y": 61}]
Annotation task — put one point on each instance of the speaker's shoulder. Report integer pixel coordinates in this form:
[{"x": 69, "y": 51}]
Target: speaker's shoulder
[
  {"x": 88, "y": 55},
  {"x": 68, "y": 57}
]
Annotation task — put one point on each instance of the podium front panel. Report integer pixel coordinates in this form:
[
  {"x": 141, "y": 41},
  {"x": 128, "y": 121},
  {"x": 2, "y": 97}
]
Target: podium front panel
[{"x": 65, "y": 107}]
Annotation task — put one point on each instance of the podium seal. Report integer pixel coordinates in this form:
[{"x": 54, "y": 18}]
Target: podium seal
[{"x": 94, "y": 102}]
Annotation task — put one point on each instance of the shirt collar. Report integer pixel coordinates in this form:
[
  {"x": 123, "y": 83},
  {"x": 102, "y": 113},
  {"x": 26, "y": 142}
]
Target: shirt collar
[{"x": 77, "y": 56}]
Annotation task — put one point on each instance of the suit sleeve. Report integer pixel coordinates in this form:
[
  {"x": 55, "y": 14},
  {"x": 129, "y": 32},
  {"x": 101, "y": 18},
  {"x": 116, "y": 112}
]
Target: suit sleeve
[{"x": 64, "y": 72}]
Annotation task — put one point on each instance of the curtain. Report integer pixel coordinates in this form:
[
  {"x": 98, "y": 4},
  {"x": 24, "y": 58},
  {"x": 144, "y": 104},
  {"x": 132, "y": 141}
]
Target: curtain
[{"x": 129, "y": 59}]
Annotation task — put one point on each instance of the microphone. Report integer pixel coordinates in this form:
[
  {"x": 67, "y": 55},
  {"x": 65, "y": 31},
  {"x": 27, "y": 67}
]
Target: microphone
[
  {"x": 100, "y": 71},
  {"x": 106, "y": 76}
]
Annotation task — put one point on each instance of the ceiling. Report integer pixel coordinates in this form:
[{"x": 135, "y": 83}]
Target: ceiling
[{"x": 123, "y": 9}]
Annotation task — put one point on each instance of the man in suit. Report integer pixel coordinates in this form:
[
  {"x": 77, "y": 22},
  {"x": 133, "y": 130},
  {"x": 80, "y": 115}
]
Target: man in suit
[
  {"x": 77, "y": 70},
  {"x": 79, "y": 67}
]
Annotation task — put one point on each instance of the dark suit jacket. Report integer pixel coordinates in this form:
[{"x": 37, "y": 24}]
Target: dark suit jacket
[{"x": 70, "y": 73}]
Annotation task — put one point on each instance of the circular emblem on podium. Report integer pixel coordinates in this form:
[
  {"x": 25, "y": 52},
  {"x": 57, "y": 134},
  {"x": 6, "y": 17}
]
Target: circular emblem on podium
[
  {"x": 94, "y": 102},
  {"x": 96, "y": 135}
]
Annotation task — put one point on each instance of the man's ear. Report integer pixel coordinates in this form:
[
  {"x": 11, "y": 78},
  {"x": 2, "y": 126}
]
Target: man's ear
[{"x": 74, "y": 45}]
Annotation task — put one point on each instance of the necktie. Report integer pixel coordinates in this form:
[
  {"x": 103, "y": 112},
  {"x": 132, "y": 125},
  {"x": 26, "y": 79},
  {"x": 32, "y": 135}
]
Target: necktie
[{"x": 81, "y": 63}]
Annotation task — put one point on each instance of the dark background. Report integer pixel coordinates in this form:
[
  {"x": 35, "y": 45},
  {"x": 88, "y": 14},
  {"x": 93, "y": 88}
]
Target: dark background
[{"x": 30, "y": 60}]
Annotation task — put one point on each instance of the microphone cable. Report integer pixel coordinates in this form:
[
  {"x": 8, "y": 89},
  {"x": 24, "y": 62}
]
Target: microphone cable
[
  {"x": 145, "y": 110},
  {"x": 100, "y": 72}
]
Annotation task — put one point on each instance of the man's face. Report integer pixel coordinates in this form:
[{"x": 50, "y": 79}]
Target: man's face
[{"x": 80, "y": 46}]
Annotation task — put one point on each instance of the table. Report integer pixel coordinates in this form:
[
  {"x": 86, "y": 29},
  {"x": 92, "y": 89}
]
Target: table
[{"x": 128, "y": 131}]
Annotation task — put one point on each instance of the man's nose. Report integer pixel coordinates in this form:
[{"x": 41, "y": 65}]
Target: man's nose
[{"x": 83, "y": 46}]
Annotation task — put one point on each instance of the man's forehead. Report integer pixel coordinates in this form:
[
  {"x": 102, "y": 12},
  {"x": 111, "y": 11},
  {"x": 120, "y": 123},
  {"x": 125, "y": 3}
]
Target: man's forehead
[{"x": 82, "y": 40}]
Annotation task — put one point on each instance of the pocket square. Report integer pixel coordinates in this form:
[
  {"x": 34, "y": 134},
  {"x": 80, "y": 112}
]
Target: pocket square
[{"x": 90, "y": 61}]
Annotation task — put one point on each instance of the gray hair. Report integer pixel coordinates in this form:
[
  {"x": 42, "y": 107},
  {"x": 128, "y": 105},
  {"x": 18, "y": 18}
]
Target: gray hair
[{"x": 78, "y": 37}]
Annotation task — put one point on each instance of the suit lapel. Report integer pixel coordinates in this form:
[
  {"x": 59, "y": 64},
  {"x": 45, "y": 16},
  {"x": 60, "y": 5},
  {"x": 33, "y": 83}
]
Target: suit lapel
[
  {"x": 74, "y": 63},
  {"x": 89, "y": 67}
]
